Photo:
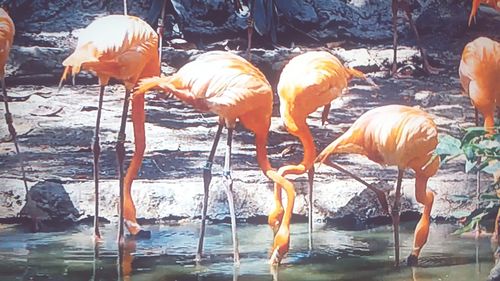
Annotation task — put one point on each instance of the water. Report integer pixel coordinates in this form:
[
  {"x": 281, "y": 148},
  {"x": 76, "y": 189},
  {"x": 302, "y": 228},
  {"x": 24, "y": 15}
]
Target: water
[{"x": 169, "y": 255}]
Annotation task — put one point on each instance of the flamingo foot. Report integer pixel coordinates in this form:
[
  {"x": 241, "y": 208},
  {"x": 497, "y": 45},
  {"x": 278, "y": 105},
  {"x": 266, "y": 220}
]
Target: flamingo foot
[{"x": 412, "y": 260}]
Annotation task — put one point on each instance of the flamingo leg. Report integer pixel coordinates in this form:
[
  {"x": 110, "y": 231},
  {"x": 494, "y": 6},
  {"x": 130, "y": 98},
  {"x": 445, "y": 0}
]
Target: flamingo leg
[
  {"x": 13, "y": 134},
  {"x": 207, "y": 178},
  {"x": 324, "y": 115},
  {"x": 425, "y": 197},
  {"x": 395, "y": 216},
  {"x": 120, "y": 156},
  {"x": 96, "y": 150},
  {"x": 395, "y": 8},
  {"x": 310, "y": 176},
  {"x": 427, "y": 67},
  {"x": 250, "y": 23},
  {"x": 380, "y": 195},
  {"x": 228, "y": 182},
  {"x": 129, "y": 211}
]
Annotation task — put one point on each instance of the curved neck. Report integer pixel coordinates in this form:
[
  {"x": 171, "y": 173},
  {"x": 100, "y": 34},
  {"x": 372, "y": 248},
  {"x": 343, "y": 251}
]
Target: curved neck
[{"x": 277, "y": 178}]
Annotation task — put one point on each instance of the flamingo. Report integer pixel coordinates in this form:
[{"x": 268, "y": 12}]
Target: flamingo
[
  {"x": 479, "y": 71},
  {"x": 405, "y": 6},
  {"x": 309, "y": 81},
  {"x": 495, "y": 4},
  {"x": 125, "y": 48},
  {"x": 231, "y": 87},
  {"x": 400, "y": 136}
]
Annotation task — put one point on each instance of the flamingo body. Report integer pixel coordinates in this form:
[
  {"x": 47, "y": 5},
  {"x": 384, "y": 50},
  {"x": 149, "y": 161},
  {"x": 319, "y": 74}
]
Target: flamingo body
[
  {"x": 7, "y": 31},
  {"x": 479, "y": 73},
  {"x": 118, "y": 46},
  {"x": 400, "y": 136}
]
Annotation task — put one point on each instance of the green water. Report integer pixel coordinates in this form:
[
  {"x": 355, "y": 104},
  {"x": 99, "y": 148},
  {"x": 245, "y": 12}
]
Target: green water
[{"x": 169, "y": 255}]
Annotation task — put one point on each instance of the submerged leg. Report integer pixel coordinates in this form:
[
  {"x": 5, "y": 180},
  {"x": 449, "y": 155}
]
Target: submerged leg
[
  {"x": 228, "y": 182},
  {"x": 96, "y": 149},
  {"x": 425, "y": 197},
  {"x": 207, "y": 178},
  {"x": 427, "y": 67},
  {"x": 120, "y": 156},
  {"x": 129, "y": 212},
  {"x": 310, "y": 176},
  {"x": 395, "y": 216}
]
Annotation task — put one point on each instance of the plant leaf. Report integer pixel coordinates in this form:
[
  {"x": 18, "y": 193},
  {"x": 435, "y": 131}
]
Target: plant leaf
[{"x": 448, "y": 145}]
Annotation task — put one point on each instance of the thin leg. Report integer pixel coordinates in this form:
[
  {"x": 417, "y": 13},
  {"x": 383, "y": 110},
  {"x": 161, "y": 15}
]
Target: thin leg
[
  {"x": 13, "y": 133},
  {"x": 380, "y": 195},
  {"x": 120, "y": 156},
  {"x": 207, "y": 177},
  {"x": 310, "y": 176},
  {"x": 250, "y": 32},
  {"x": 228, "y": 182},
  {"x": 324, "y": 115},
  {"x": 478, "y": 177},
  {"x": 427, "y": 67},
  {"x": 125, "y": 9},
  {"x": 129, "y": 212},
  {"x": 395, "y": 216},
  {"x": 96, "y": 149},
  {"x": 395, "y": 9}
]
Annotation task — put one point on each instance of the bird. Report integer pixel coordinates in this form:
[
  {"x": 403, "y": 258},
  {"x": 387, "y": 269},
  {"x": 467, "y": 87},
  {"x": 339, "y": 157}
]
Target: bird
[
  {"x": 309, "y": 81},
  {"x": 125, "y": 48},
  {"x": 402, "y": 136},
  {"x": 495, "y": 4},
  {"x": 237, "y": 90},
  {"x": 405, "y": 5},
  {"x": 479, "y": 71}
]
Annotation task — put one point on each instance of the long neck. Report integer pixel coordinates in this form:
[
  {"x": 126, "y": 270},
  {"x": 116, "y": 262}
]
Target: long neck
[{"x": 278, "y": 179}]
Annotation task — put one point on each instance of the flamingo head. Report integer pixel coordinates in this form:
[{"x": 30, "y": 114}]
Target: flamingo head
[
  {"x": 274, "y": 219},
  {"x": 281, "y": 245}
]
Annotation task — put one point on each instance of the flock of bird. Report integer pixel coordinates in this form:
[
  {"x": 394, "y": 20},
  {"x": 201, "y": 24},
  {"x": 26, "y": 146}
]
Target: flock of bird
[{"x": 126, "y": 48}]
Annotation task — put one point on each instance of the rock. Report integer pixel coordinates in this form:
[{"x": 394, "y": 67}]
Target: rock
[{"x": 50, "y": 203}]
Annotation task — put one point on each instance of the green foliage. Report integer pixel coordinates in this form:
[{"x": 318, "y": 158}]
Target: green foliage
[
  {"x": 475, "y": 145},
  {"x": 482, "y": 153}
]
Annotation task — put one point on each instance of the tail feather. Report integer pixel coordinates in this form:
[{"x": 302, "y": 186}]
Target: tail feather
[
  {"x": 358, "y": 74},
  {"x": 150, "y": 83}
]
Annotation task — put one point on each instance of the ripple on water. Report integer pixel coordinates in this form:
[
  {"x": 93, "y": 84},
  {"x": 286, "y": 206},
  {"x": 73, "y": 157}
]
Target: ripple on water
[{"x": 169, "y": 255}]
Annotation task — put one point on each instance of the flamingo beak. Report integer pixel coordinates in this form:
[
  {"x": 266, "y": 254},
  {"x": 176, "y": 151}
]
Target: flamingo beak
[{"x": 275, "y": 257}]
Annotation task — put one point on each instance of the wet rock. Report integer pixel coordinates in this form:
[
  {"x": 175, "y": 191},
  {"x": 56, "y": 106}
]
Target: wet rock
[{"x": 49, "y": 202}]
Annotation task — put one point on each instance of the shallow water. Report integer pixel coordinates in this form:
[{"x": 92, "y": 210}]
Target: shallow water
[{"x": 169, "y": 255}]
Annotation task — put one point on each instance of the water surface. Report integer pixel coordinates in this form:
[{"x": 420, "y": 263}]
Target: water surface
[{"x": 169, "y": 255}]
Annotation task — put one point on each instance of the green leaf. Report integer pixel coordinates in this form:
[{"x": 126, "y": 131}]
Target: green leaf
[
  {"x": 469, "y": 165},
  {"x": 473, "y": 133},
  {"x": 489, "y": 196},
  {"x": 492, "y": 167},
  {"x": 459, "y": 198},
  {"x": 448, "y": 145},
  {"x": 470, "y": 226},
  {"x": 460, "y": 214},
  {"x": 469, "y": 152}
]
